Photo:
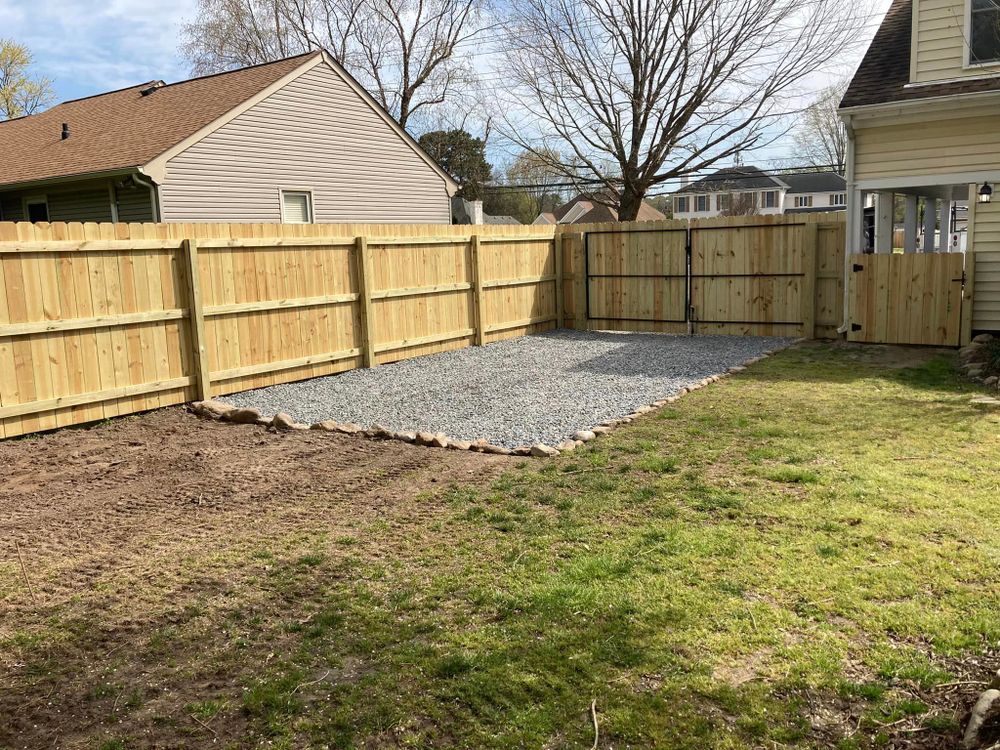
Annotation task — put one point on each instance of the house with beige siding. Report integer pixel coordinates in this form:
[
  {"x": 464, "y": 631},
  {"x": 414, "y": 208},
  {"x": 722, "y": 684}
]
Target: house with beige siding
[
  {"x": 923, "y": 121},
  {"x": 296, "y": 140}
]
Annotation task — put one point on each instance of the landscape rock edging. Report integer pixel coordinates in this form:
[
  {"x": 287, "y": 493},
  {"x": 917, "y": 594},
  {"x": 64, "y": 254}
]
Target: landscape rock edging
[{"x": 281, "y": 421}]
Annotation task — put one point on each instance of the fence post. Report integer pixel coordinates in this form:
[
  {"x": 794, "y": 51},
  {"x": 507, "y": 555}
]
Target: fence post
[
  {"x": 362, "y": 262},
  {"x": 810, "y": 248},
  {"x": 969, "y": 275},
  {"x": 580, "y": 321},
  {"x": 557, "y": 252},
  {"x": 196, "y": 316},
  {"x": 477, "y": 292}
]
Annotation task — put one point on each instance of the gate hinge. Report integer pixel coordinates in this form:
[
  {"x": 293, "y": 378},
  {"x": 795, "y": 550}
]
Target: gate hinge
[{"x": 855, "y": 326}]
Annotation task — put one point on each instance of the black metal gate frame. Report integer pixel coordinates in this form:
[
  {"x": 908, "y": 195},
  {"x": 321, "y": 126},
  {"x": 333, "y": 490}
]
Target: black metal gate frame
[{"x": 688, "y": 276}]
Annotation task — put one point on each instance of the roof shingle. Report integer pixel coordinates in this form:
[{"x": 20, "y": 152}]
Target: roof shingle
[
  {"x": 123, "y": 129},
  {"x": 885, "y": 69}
]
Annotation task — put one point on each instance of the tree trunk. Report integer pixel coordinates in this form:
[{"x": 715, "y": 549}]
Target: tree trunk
[{"x": 628, "y": 207}]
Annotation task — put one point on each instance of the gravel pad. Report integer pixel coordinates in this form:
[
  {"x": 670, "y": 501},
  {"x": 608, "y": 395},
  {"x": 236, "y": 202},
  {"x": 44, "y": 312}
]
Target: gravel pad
[{"x": 539, "y": 388}]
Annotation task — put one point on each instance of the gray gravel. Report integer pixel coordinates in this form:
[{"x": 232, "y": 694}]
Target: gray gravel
[{"x": 539, "y": 388}]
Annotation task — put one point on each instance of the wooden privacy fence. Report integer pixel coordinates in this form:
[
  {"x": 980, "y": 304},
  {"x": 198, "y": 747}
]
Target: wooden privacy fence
[
  {"x": 103, "y": 320},
  {"x": 764, "y": 275}
]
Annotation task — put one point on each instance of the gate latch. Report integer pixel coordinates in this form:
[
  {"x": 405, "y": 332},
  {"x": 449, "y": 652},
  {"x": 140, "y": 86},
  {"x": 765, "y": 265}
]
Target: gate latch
[
  {"x": 855, "y": 326},
  {"x": 858, "y": 267}
]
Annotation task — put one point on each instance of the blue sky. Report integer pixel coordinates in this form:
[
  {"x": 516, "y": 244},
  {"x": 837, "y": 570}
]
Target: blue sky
[
  {"x": 86, "y": 48},
  {"x": 90, "y": 47}
]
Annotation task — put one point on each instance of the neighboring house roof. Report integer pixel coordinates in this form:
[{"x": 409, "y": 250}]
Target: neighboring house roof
[
  {"x": 733, "y": 178},
  {"x": 885, "y": 70},
  {"x": 124, "y": 129},
  {"x": 814, "y": 182},
  {"x": 502, "y": 219},
  {"x": 462, "y": 213},
  {"x": 583, "y": 209}
]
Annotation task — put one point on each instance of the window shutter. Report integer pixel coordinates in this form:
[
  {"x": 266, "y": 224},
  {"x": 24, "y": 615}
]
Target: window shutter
[{"x": 296, "y": 208}]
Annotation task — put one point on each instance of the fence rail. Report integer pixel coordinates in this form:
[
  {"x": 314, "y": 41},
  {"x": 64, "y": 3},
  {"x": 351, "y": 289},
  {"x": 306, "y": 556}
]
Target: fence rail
[{"x": 100, "y": 320}]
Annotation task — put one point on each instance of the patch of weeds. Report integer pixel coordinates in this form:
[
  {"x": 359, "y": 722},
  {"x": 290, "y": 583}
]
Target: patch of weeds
[
  {"x": 869, "y": 691},
  {"x": 941, "y": 723},
  {"x": 657, "y": 464},
  {"x": 272, "y": 700},
  {"x": 112, "y": 744},
  {"x": 828, "y": 550},
  {"x": 791, "y": 475},
  {"x": 451, "y": 666},
  {"x": 708, "y": 498},
  {"x": 206, "y": 709},
  {"x": 310, "y": 560}
]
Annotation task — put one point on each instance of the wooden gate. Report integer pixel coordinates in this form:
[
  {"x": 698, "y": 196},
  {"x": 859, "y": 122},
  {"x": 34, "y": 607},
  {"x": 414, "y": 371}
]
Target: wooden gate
[
  {"x": 910, "y": 298},
  {"x": 637, "y": 277},
  {"x": 754, "y": 278}
]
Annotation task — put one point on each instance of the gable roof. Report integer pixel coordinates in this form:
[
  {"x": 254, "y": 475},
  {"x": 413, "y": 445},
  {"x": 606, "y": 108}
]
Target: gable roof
[
  {"x": 733, "y": 178},
  {"x": 814, "y": 182},
  {"x": 885, "y": 69},
  {"x": 125, "y": 129},
  {"x": 583, "y": 209}
]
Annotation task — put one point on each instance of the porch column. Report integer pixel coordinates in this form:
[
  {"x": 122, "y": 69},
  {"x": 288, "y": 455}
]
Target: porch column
[
  {"x": 855, "y": 222},
  {"x": 910, "y": 225},
  {"x": 883, "y": 222},
  {"x": 930, "y": 223},
  {"x": 945, "y": 222}
]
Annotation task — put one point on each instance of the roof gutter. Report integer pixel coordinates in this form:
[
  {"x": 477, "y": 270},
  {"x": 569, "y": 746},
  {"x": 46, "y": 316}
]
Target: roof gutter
[
  {"x": 154, "y": 194},
  {"x": 919, "y": 103},
  {"x": 63, "y": 179}
]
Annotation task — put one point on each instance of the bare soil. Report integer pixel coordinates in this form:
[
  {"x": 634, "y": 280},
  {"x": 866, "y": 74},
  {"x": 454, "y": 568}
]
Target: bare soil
[{"x": 125, "y": 528}]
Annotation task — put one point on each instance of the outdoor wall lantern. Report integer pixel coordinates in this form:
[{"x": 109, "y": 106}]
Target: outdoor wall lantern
[{"x": 985, "y": 193}]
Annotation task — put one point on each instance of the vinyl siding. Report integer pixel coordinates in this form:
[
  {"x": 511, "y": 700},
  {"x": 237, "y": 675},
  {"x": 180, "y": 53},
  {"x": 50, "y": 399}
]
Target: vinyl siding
[
  {"x": 78, "y": 201},
  {"x": 314, "y": 134},
  {"x": 956, "y": 144},
  {"x": 134, "y": 204},
  {"x": 938, "y": 45},
  {"x": 986, "y": 299}
]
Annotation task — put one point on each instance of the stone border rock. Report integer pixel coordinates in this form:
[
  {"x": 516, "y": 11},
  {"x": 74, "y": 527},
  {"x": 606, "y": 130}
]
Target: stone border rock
[
  {"x": 282, "y": 422},
  {"x": 970, "y": 359}
]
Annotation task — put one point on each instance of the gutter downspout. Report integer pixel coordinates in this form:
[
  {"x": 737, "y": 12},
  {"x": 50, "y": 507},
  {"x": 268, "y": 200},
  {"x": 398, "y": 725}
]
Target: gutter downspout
[
  {"x": 855, "y": 215},
  {"x": 154, "y": 194}
]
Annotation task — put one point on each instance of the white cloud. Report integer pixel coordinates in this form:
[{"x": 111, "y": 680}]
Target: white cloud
[{"x": 87, "y": 48}]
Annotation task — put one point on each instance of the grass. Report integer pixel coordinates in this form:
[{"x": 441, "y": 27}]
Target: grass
[{"x": 819, "y": 532}]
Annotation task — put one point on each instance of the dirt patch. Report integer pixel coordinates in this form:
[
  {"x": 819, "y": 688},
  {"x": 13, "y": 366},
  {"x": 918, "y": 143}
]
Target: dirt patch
[
  {"x": 129, "y": 528},
  {"x": 892, "y": 356}
]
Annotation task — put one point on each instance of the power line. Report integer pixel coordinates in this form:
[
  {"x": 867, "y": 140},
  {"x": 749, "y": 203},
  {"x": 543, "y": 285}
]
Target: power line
[{"x": 736, "y": 170}]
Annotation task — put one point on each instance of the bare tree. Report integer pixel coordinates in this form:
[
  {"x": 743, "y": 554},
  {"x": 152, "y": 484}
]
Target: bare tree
[
  {"x": 20, "y": 92},
  {"x": 402, "y": 51},
  {"x": 741, "y": 204},
  {"x": 820, "y": 135},
  {"x": 641, "y": 92}
]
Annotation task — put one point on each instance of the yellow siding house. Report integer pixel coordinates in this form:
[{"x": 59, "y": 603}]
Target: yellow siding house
[{"x": 923, "y": 120}]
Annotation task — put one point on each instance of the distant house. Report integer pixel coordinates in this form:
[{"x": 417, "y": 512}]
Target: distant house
[
  {"x": 296, "y": 140},
  {"x": 584, "y": 209},
  {"x": 752, "y": 190},
  {"x": 471, "y": 212}
]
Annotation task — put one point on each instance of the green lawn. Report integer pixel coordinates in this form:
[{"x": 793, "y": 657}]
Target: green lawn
[{"x": 803, "y": 555}]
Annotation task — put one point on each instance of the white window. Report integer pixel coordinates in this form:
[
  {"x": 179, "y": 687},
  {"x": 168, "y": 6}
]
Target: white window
[
  {"x": 701, "y": 203},
  {"x": 803, "y": 201},
  {"x": 36, "y": 208},
  {"x": 770, "y": 198},
  {"x": 722, "y": 202},
  {"x": 984, "y": 32},
  {"x": 296, "y": 207},
  {"x": 682, "y": 205},
  {"x": 838, "y": 199}
]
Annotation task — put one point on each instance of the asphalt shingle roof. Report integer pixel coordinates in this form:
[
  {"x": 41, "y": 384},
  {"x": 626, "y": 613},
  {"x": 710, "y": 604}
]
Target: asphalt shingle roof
[
  {"x": 734, "y": 178},
  {"x": 885, "y": 68},
  {"x": 123, "y": 129}
]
